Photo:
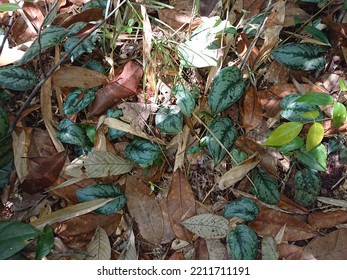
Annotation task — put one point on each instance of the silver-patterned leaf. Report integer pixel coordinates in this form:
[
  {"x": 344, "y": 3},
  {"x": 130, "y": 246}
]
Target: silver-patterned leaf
[
  {"x": 17, "y": 78},
  {"x": 307, "y": 186},
  {"x": 223, "y": 129},
  {"x": 102, "y": 164},
  {"x": 142, "y": 152},
  {"x": 243, "y": 208},
  {"x": 169, "y": 119},
  {"x": 209, "y": 226},
  {"x": 99, "y": 248},
  {"x": 74, "y": 103},
  {"x": 226, "y": 89},
  {"x": 186, "y": 98}
]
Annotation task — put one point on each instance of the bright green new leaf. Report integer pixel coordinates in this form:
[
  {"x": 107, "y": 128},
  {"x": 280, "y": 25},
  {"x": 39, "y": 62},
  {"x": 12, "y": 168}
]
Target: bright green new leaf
[
  {"x": 316, "y": 98},
  {"x": 314, "y": 136},
  {"x": 242, "y": 243},
  {"x": 339, "y": 114},
  {"x": 9, "y": 7},
  {"x": 284, "y": 134},
  {"x": 103, "y": 191},
  {"x": 15, "y": 236},
  {"x": 243, "y": 208},
  {"x": 45, "y": 243},
  {"x": 311, "y": 115},
  {"x": 17, "y": 78}
]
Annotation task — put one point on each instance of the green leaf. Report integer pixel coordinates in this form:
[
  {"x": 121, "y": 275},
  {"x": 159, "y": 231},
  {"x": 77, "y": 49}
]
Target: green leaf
[
  {"x": 300, "y": 57},
  {"x": 299, "y": 111},
  {"x": 342, "y": 84},
  {"x": 269, "y": 249},
  {"x": 243, "y": 208},
  {"x": 95, "y": 65},
  {"x": 169, "y": 120},
  {"x": 314, "y": 159},
  {"x": 186, "y": 98},
  {"x": 316, "y": 98},
  {"x": 317, "y": 34},
  {"x": 207, "y": 226},
  {"x": 114, "y": 133},
  {"x": 15, "y": 236},
  {"x": 69, "y": 132},
  {"x": 45, "y": 243},
  {"x": 284, "y": 134},
  {"x": 103, "y": 191},
  {"x": 227, "y": 87},
  {"x": 314, "y": 136},
  {"x": 74, "y": 103},
  {"x": 86, "y": 46},
  {"x": 9, "y": 7},
  {"x": 307, "y": 187},
  {"x": 265, "y": 187},
  {"x": 293, "y": 145},
  {"x": 17, "y": 78},
  {"x": 5, "y": 173},
  {"x": 50, "y": 37},
  {"x": 238, "y": 156},
  {"x": 242, "y": 243},
  {"x": 339, "y": 114},
  {"x": 142, "y": 152},
  {"x": 4, "y": 124},
  {"x": 223, "y": 129}
]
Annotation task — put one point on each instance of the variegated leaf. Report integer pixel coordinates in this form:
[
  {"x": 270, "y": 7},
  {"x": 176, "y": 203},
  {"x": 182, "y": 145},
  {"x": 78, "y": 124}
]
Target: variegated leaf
[{"x": 169, "y": 119}]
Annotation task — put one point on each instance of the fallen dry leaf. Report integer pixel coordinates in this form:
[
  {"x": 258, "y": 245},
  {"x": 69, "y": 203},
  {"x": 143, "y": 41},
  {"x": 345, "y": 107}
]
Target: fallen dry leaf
[
  {"x": 321, "y": 220},
  {"x": 291, "y": 206},
  {"x": 243, "y": 45},
  {"x": 145, "y": 209},
  {"x": 73, "y": 76},
  {"x": 330, "y": 247},
  {"x": 289, "y": 251},
  {"x": 44, "y": 175},
  {"x": 269, "y": 222},
  {"x": 293, "y": 13},
  {"x": 91, "y": 14},
  {"x": 121, "y": 87},
  {"x": 169, "y": 234},
  {"x": 252, "y": 6},
  {"x": 200, "y": 250},
  {"x": 181, "y": 205},
  {"x": 251, "y": 112}
]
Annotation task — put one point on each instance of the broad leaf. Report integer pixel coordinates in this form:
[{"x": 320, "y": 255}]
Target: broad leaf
[
  {"x": 314, "y": 159},
  {"x": 186, "y": 98},
  {"x": 339, "y": 114},
  {"x": 99, "y": 248},
  {"x": 238, "y": 156},
  {"x": 9, "y": 7},
  {"x": 307, "y": 186},
  {"x": 284, "y": 134},
  {"x": 114, "y": 133},
  {"x": 87, "y": 46},
  {"x": 293, "y": 145},
  {"x": 77, "y": 100},
  {"x": 45, "y": 243},
  {"x": 223, "y": 129},
  {"x": 208, "y": 226},
  {"x": 17, "y": 78},
  {"x": 317, "y": 34},
  {"x": 103, "y": 191},
  {"x": 243, "y": 208},
  {"x": 15, "y": 236},
  {"x": 316, "y": 98},
  {"x": 300, "y": 57},
  {"x": 69, "y": 132},
  {"x": 269, "y": 249},
  {"x": 314, "y": 136},
  {"x": 264, "y": 187},
  {"x": 226, "y": 89},
  {"x": 143, "y": 152},
  {"x": 242, "y": 243},
  {"x": 169, "y": 120},
  {"x": 102, "y": 164},
  {"x": 50, "y": 37}
]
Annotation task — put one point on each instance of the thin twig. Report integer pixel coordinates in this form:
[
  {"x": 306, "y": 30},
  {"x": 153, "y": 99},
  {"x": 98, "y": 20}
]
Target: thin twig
[
  {"x": 56, "y": 66},
  {"x": 7, "y": 33}
]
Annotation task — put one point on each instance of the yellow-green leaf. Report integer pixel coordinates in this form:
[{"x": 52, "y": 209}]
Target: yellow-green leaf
[
  {"x": 284, "y": 134},
  {"x": 314, "y": 136},
  {"x": 339, "y": 114},
  {"x": 311, "y": 115}
]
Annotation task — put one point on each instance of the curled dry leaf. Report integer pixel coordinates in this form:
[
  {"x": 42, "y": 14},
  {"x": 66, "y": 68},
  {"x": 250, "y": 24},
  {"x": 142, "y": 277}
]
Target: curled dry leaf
[
  {"x": 330, "y": 247},
  {"x": 73, "y": 76},
  {"x": 269, "y": 222},
  {"x": 121, "y": 87},
  {"x": 252, "y": 112},
  {"x": 181, "y": 205},
  {"x": 145, "y": 209},
  {"x": 44, "y": 174},
  {"x": 321, "y": 220}
]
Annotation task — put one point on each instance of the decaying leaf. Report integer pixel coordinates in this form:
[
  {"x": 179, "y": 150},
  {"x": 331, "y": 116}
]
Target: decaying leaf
[
  {"x": 180, "y": 204},
  {"x": 321, "y": 220},
  {"x": 99, "y": 248},
  {"x": 252, "y": 112},
  {"x": 145, "y": 209}
]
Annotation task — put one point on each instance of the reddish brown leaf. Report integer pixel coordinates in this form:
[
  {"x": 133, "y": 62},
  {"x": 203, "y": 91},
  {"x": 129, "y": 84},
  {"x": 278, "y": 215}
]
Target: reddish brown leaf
[
  {"x": 168, "y": 234},
  {"x": 289, "y": 251},
  {"x": 145, "y": 209},
  {"x": 122, "y": 87},
  {"x": 291, "y": 206},
  {"x": 44, "y": 174},
  {"x": 330, "y": 247},
  {"x": 181, "y": 205},
  {"x": 268, "y": 162},
  {"x": 321, "y": 220},
  {"x": 252, "y": 112},
  {"x": 252, "y": 6},
  {"x": 269, "y": 222},
  {"x": 200, "y": 250},
  {"x": 243, "y": 45},
  {"x": 91, "y": 14},
  {"x": 177, "y": 256}
]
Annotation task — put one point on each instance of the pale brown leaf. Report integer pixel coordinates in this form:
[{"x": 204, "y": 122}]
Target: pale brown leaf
[
  {"x": 91, "y": 14},
  {"x": 181, "y": 205},
  {"x": 321, "y": 220},
  {"x": 145, "y": 209},
  {"x": 289, "y": 251},
  {"x": 252, "y": 112}
]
